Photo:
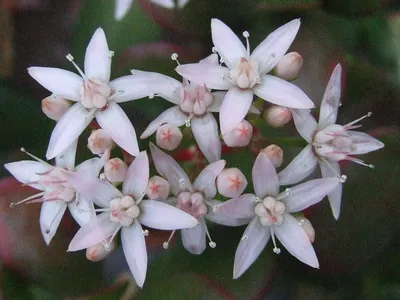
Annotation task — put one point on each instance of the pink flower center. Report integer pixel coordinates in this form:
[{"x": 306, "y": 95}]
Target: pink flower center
[
  {"x": 270, "y": 211},
  {"x": 95, "y": 94},
  {"x": 195, "y": 99},
  {"x": 192, "y": 203},
  {"x": 56, "y": 186},
  {"x": 124, "y": 210},
  {"x": 245, "y": 73}
]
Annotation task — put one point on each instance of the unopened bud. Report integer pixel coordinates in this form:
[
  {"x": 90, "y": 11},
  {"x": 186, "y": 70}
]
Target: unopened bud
[
  {"x": 277, "y": 116},
  {"x": 98, "y": 252},
  {"x": 55, "y": 107},
  {"x": 289, "y": 66},
  {"x": 158, "y": 188},
  {"x": 275, "y": 154},
  {"x": 100, "y": 141},
  {"x": 231, "y": 182},
  {"x": 115, "y": 170},
  {"x": 307, "y": 226},
  {"x": 240, "y": 136},
  {"x": 168, "y": 136}
]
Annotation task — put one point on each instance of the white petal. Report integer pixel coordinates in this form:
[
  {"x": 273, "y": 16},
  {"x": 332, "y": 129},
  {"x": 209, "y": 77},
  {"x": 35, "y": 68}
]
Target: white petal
[
  {"x": 331, "y": 99},
  {"x": 82, "y": 210},
  {"x": 364, "y": 143},
  {"x": 115, "y": 122},
  {"x": 158, "y": 215},
  {"x": 308, "y": 193},
  {"x": 254, "y": 110},
  {"x": 137, "y": 176},
  {"x": 265, "y": 179},
  {"x": 250, "y": 247},
  {"x": 227, "y": 43},
  {"x": 121, "y": 8},
  {"x": 294, "y": 239},
  {"x": 218, "y": 97},
  {"x": 94, "y": 232},
  {"x": 168, "y": 168},
  {"x": 305, "y": 123},
  {"x": 212, "y": 59},
  {"x": 194, "y": 239},
  {"x": 26, "y": 171},
  {"x": 205, "y": 132},
  {"x": 91, "y": 167},
  {"x": 134, "y": 246},
  {"x": 182, "y": 3},
  {"x": 205, "y": 181},
  {"x": 50, "y": 218},
  {"x": 63, "y": 83},
  {"x": 222, "y": 219},
  {"x": 213, "y": 77},
  {"x": 334, "y": 197},
  {"x": 299, "y": 168},
  {"x": 241, "y": 207},
  {"x": 68, "y": 129},
  {"x": 280, "y": 92},
  {"x": 66, "y": 160},
  {"x": 172, "y": 115},
  {"x": 275, "y": 45},
  {"x": 170, "y": 4},
  {"x": 97, "y": 57},
  {"x": 234, "y": 108}
]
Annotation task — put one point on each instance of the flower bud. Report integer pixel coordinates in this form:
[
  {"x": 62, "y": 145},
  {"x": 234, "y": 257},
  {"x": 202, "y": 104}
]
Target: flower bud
[
  {"x": 289, "y": 66},
  {"x": 275, "y": 154},
  {"x": 240, "y": 136},
  {"x": 99, "y": 142},
  {"x": 277, "y": 116},
  {"x": 168, "y": 136},
  {"x": 307, "y": 226},
  {"x": 158, "y": 188},
  {"x": 231, "y": 182},
  {"x": 99, "y": 251},
  {"x": 115, "y": 170},
  {"x": 55, "y": 107}
]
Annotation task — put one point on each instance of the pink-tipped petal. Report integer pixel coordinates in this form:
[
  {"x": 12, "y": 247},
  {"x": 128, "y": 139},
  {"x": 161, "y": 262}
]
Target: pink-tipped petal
[
  {"x": 364, "y": 143},
  {"x": 295, "y": 240},
  {"x": 82, "y": 210},
  {"x": 205, "y": 181},
  {"x": 335, "y": 196},
  {"x": 137, "y": 177},
  {"x": 213, "y": 77},
  {"x": 26, "y": 171},
  {"x": 227, "y": 43},
  {"x": 158, "y": 215},
  {"x": 134, "y": 246},
  {"x": 97, "y": 57},
  {"x": 241, "y": 207},
  {"x": 275, "y": 45},
  {"x": 305, "y": 123},
  {"x": 68, "y": 129},
  {"x": 205, "y": 132},
  {"x": 66, "y": 160},
  {"x": 121, "y": 8},
  {"x": 250, "y": 247},
  {"x": 299, "y": 168},
  {"x": 331, "y": 99},
  {"x": 50, "y": 218},
  {"x": 194, "y": 239},
  {"x": 265, "y": 179},
  {"x": 234, "y": 108},
  {"x": 308, "y": 193},
  {"x": 60, "y": 82},
  {"x": 115, "y": 122}
]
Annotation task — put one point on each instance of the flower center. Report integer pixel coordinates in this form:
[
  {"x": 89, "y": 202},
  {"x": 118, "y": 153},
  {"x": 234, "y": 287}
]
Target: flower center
[
  {"x": 192, "y": 203},
  {"x": 270, "y": 211},
  {"x": 95, "y": 94},
  {"x": 195, "y": 99},
  {"x": 56, "y": 186},
  {"x": 245, "y": 73},
  {"x": 124, "y": 210}
]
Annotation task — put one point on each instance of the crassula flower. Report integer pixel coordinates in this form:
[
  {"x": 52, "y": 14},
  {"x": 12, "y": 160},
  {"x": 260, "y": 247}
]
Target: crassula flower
[
  {"x": 245, "y": 74},
  {"x": 56, "y": 194},
  {"x": 126, "y": 211},
  {"x": 95, "y": 96},
  {"x": 329, "y": 143},
  {"x": 269, "y": 212}
]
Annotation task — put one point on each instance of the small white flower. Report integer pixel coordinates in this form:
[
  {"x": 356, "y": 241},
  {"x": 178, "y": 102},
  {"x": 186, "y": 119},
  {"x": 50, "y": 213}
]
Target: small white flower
[{"x": 329, "y": 143}]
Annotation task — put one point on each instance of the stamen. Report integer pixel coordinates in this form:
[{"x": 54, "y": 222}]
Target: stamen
[
  {"x": 244, "y": 237},
  {"x": 276, "y": 249},
  {"x": 102, "y": 176},
  {"x": 71, "y": 59},
  {"x": 246, "y": 36},
  {"x": 174, "y": 57},
  {"x": 283, "y": 194},
  {"x": 111, "y": 53},
  {"x": 34, "y": 157},
  {"x": 358, "y": 120},
  {"x": 343, "y": 178},
  {"x": 301, "y": 222},
  {"x": 187, "y": 123},
  {"x": 211, "y": 243},
  {"x": 145, "y": 232},
  {"x": 107, "y": 245},
  {"x": 140, "y": 198},
  {"x": 100, "y": 209},
  {"x": 214, "y": 50},
  {"x": 330, "y": 166},
  {"x": 255, "y": 199},
  {"x": 166, "y": 244},
  {"x": 52, "y": 221},
  {"x": 151, "y": 96},
  {"x": 33, "y": 197},
  {"x": 359, "y": 161}
]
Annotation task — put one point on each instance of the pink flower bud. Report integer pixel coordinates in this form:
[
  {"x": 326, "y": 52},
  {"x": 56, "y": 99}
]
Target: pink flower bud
[
  {"x": 55, "y": 107},
  {"x": 240, "y": 136},
  {"x": 275, "y": 154},
  {"x": 168, "y": 136},
  {"x": 98, "y": 252},
  {"x": 277, "y": 116},
  {"x": 231, "y": 182},
  {"x": 289, "y": 66},
  {"x": 158, "y": 188},
  {"x": 307, "y": 226},
  {"x": 99, "y": 142},
  {"x": 115, "y": 170}
]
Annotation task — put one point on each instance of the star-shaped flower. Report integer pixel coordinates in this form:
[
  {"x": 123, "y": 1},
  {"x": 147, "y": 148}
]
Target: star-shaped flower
[
  {"x": 126, "y": 211},
  {"x": 269, "y": 212},
  {"x": 245, "y": 74},
  {"x": 329, "y": 143}
]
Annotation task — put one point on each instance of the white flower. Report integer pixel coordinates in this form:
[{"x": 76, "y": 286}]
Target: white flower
[
  {"x": 56, "y": 193},
  {"x": 245, "y": 74},
  {"x": 95, "y": 96},
  {"x": 329, "y": 143},
  {"x": 126, "y": 211},
  {"x": 269, "y": 213}
]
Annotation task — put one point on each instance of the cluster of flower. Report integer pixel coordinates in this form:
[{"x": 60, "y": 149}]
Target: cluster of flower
[{"x": 170, "y": 201}]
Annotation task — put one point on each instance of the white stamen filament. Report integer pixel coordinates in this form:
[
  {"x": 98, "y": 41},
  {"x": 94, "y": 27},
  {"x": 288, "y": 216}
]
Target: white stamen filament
[
  {"x": 246, "y": 36},
  {"x": 71, "y": 59},
  {"x": 111, "y": 53},
  {"x": 255, "y": 199},
  {"x": 166, "y": 244},
  {"x": 52, "y": 221},
  {"x": 145, "y": 232},
  {"x": 174, "y": 57},
  {"x": 140, "y": 198},
  {"x": 358, "y": 120},
  {"x": 211, "y": 243},
  {"x": 35, "y": 157},
  {"x": 26, "y": 200},
  {"x": 359, "y": 161},
  {"x": 283, "y": 195},
  {"x": 275, "y": 249},
  {"x": 332, "y": 168}
]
